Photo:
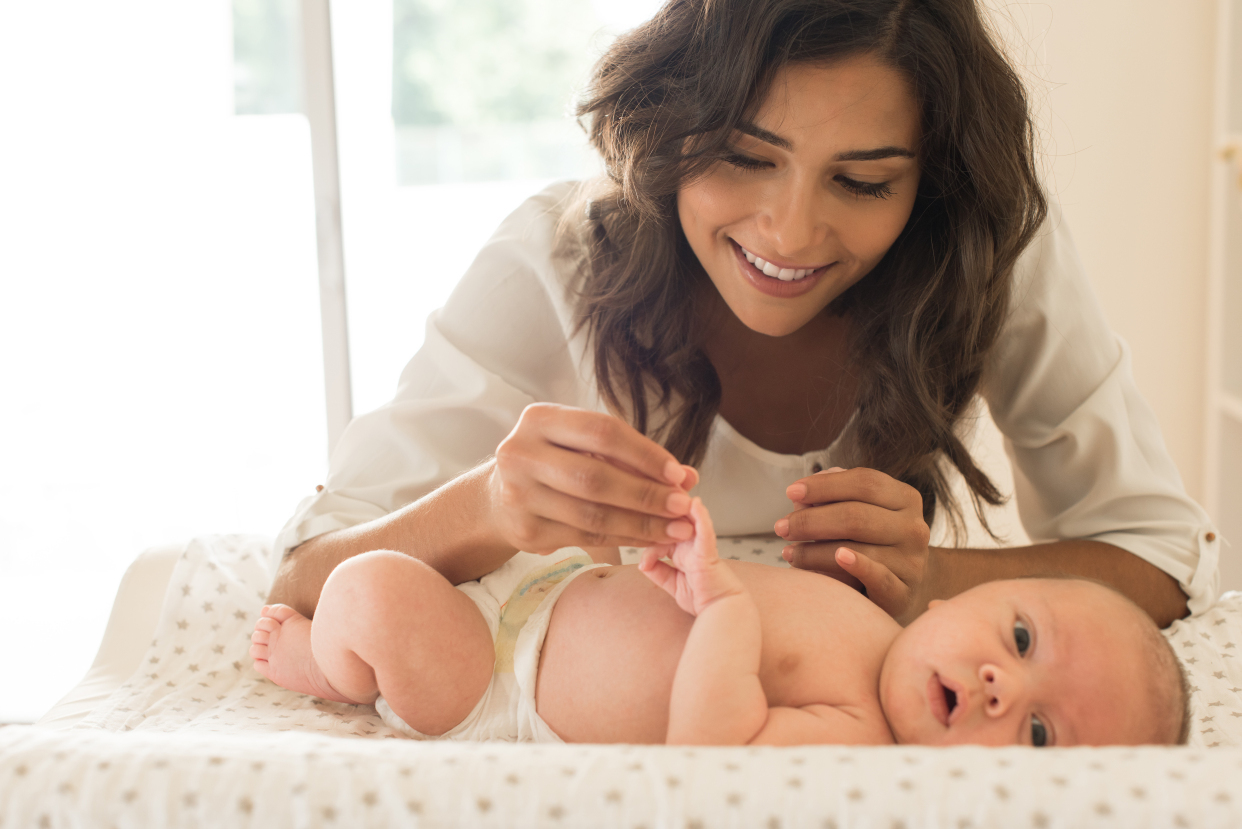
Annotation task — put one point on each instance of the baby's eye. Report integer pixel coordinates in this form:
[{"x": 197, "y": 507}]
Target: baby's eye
[
  {"x": 1039, "y": 734},
  {"x": 1021, "y": 637}
]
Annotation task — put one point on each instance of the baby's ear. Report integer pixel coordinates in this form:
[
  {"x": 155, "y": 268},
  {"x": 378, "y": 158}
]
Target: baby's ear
[{"x": 934, "y": 602}]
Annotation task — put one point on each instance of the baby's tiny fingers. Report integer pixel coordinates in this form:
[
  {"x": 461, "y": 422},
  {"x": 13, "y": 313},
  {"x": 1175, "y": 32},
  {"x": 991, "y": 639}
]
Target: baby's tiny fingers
[{"x": 650, "y": 556}]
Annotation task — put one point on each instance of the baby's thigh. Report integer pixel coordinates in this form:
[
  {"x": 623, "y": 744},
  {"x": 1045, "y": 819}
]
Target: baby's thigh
[{"x": 385, "y": 602}]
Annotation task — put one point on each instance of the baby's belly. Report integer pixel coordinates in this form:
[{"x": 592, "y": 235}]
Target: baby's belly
[{"x": 607, "y": 665}]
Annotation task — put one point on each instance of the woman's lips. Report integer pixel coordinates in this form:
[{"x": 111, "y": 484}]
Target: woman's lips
[{"x": 773, "y": 286}]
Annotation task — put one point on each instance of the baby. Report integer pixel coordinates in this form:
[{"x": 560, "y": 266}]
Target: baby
[{"x": 685, "y": 648}]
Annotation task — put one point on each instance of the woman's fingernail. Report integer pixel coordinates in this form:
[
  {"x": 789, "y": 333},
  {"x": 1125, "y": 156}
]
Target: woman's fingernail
[
  {"x": 673, "y": 473},
  {"x": 678, "y": 503},
  {"x": 782, "y": 527},
  {"x": 845, "y": 556},
  {"x": 681, "y": 530},
  {"x": 787, "y": 554},
  {"x": 795, "y": 492},
  {"x": 835, "y": 469}
]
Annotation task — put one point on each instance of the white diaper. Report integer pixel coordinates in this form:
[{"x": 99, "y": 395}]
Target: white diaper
[{"x": 517, "y": 601}]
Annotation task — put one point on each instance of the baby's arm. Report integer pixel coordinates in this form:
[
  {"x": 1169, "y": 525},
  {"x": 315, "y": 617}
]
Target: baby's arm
[{"x": 717, "y": 698}]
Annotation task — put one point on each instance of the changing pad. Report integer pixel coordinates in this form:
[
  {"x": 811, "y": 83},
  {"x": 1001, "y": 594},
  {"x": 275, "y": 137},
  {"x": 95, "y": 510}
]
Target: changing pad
[{"x": 196, "y": 737}]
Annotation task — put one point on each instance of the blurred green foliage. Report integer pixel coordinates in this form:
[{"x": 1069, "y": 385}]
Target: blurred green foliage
[
  {"x": 267, "y": 75},
  {"x": 476, "y": 62}
]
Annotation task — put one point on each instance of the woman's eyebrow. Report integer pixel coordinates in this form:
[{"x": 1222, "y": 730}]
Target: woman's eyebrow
[
  {"x": 775, "y": 140},
  {"x": 767, "y": 137},
  {"x": 875, "y": 155}
]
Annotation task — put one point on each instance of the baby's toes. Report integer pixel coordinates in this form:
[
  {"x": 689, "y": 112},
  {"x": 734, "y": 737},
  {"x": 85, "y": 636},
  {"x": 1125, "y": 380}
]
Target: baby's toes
[
  {"x": 260, "y": 636},
  {"x": 259, "y": 652},
  {"x": 266, "y": 625},
  {"x": 280, "y": 612}
]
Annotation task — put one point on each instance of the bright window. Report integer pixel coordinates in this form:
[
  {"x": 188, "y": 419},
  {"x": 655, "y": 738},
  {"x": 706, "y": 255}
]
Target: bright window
[{"x": 159, "y": 319}]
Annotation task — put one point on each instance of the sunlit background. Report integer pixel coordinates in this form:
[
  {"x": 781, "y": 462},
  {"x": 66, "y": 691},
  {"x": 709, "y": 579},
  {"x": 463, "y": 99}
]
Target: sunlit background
[{"x": 159, "y": 306}]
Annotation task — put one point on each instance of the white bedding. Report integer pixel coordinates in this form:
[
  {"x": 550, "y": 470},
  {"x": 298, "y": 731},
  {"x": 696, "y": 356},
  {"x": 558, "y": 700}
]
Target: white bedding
[{"x": 195, "y": 738}]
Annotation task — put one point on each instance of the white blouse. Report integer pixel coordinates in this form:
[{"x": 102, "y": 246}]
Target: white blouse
[{"x": 1088, "y": 458}]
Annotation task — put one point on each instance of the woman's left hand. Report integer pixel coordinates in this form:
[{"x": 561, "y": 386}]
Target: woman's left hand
[{"x": 864, "y": 528}]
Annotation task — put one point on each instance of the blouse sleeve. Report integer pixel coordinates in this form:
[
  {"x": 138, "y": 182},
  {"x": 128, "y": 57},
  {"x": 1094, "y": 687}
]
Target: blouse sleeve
[
  {"x": 501, "y": 342},
  {"x": 1088, "y": 457}
]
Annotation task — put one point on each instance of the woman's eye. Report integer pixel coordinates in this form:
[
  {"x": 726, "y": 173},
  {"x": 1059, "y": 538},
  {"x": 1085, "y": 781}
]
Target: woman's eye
[
  {"x": 1021, "y": 637},
  {"x": 862, "y": 188},
  {"x": 745, "y": 162},
  {"x": 1039, "y": 734}
]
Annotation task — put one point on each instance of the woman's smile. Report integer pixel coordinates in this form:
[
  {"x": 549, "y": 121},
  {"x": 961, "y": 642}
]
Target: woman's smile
[
  {"x": 785, "y": 273},
  {"x": 775, "y": 279}
]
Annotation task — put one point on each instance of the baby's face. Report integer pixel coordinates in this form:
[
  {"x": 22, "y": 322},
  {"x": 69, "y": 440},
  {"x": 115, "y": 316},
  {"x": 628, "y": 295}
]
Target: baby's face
[{"x": 1026, "y": 662}]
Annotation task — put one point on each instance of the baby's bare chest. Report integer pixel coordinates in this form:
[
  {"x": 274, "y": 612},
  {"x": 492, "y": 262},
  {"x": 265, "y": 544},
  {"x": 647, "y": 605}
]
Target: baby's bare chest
[
  {"x": 608, "y": 662},
  {"x": 822, "y": 641}
]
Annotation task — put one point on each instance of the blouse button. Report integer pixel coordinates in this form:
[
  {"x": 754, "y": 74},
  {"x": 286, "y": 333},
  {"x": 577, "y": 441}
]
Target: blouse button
[
  {"x": 1210, "y": 536},
  {"x": 818, "y": 467}
]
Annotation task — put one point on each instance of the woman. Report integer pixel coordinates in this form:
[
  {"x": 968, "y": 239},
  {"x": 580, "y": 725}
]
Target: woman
[{"x": 820, "y": 237}]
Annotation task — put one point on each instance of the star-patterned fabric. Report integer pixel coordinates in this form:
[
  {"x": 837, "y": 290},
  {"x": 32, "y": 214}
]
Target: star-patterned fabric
[{"x": 197, "y": 738}]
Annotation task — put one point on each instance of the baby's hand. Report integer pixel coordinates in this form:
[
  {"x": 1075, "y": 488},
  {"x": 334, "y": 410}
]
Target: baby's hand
[{"x": 694, "y": 575}]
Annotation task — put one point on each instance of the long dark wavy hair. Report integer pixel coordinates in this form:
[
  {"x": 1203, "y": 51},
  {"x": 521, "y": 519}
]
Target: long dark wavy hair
[{"x": 660, "y": 109}]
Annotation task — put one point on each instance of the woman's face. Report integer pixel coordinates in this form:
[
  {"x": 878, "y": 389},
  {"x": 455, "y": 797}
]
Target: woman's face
[{"x": 814, "y": 193}]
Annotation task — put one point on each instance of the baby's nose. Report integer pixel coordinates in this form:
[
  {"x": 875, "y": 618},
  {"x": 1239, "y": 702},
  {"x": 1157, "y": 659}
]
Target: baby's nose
[{"x": 998, "y": 690}]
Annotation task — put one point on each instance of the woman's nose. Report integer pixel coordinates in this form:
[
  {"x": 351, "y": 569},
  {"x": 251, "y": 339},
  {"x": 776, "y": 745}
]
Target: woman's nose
[
  {"x": 796, "y": 221},
  {"x": 999, "y": 689}
]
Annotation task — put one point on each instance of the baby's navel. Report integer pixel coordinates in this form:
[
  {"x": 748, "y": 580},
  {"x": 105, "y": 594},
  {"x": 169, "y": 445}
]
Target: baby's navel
[{"x": 788, "y": 663}]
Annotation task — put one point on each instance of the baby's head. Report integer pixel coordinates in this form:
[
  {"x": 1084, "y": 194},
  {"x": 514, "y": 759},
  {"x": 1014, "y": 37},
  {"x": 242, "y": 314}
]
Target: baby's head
[{"x": 1036, "y": 661}]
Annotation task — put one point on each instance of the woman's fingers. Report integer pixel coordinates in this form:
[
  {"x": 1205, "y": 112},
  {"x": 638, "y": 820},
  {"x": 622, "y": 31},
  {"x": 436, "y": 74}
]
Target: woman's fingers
[
  {"x": 856, "y": 520},
  {"x": 542, "y": 536},
  {"x": 820, "y": 557},
  {"x": 586, "y": 431},
  {"x": 878, "y": 534},
  {"x": 860, "y": 484},
  {"x": 550, "y": 517},
  {"x": 601, "y": 482},
  {"x": 567, "y": 476},
  {"x": 885, "y": 589}
]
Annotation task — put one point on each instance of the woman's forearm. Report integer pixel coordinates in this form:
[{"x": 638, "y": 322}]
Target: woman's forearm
[
  {"x": 717, "y": 698},
  {"x": 952, "y": 571},
  {"x": 450, "y": 529}
]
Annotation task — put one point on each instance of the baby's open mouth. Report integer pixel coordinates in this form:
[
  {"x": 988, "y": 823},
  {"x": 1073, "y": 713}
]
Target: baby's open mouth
[{"x": 942, "y": 699}]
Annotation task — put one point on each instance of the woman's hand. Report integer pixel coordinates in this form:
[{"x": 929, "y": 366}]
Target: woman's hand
[
  {"x": 862, "y": 527},
  {"x": 567, "y": 477}
]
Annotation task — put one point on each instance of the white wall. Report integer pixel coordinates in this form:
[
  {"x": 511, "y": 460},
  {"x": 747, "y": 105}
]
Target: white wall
[{"x": 1124, "y": 92}]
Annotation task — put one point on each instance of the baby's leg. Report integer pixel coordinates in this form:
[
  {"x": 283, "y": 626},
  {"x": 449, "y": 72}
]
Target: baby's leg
[
  {"x": 281, "y": 649},
  {"x": 389, "y": 624}
]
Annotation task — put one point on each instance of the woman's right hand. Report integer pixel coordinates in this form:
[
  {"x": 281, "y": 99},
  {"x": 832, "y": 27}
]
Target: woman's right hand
[{"x": 567, "y": 477}]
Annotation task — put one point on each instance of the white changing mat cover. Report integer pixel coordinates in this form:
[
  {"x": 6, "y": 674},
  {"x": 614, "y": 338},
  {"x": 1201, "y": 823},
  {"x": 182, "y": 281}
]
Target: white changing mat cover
[{"x": 149, "y": 757}]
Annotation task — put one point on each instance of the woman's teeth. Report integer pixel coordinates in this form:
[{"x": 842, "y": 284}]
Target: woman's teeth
[{"x": 768, "y": 269}]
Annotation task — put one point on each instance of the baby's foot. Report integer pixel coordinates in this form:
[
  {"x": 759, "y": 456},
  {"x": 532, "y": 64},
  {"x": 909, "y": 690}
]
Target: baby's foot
[{"x": 281, "y": 649}]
